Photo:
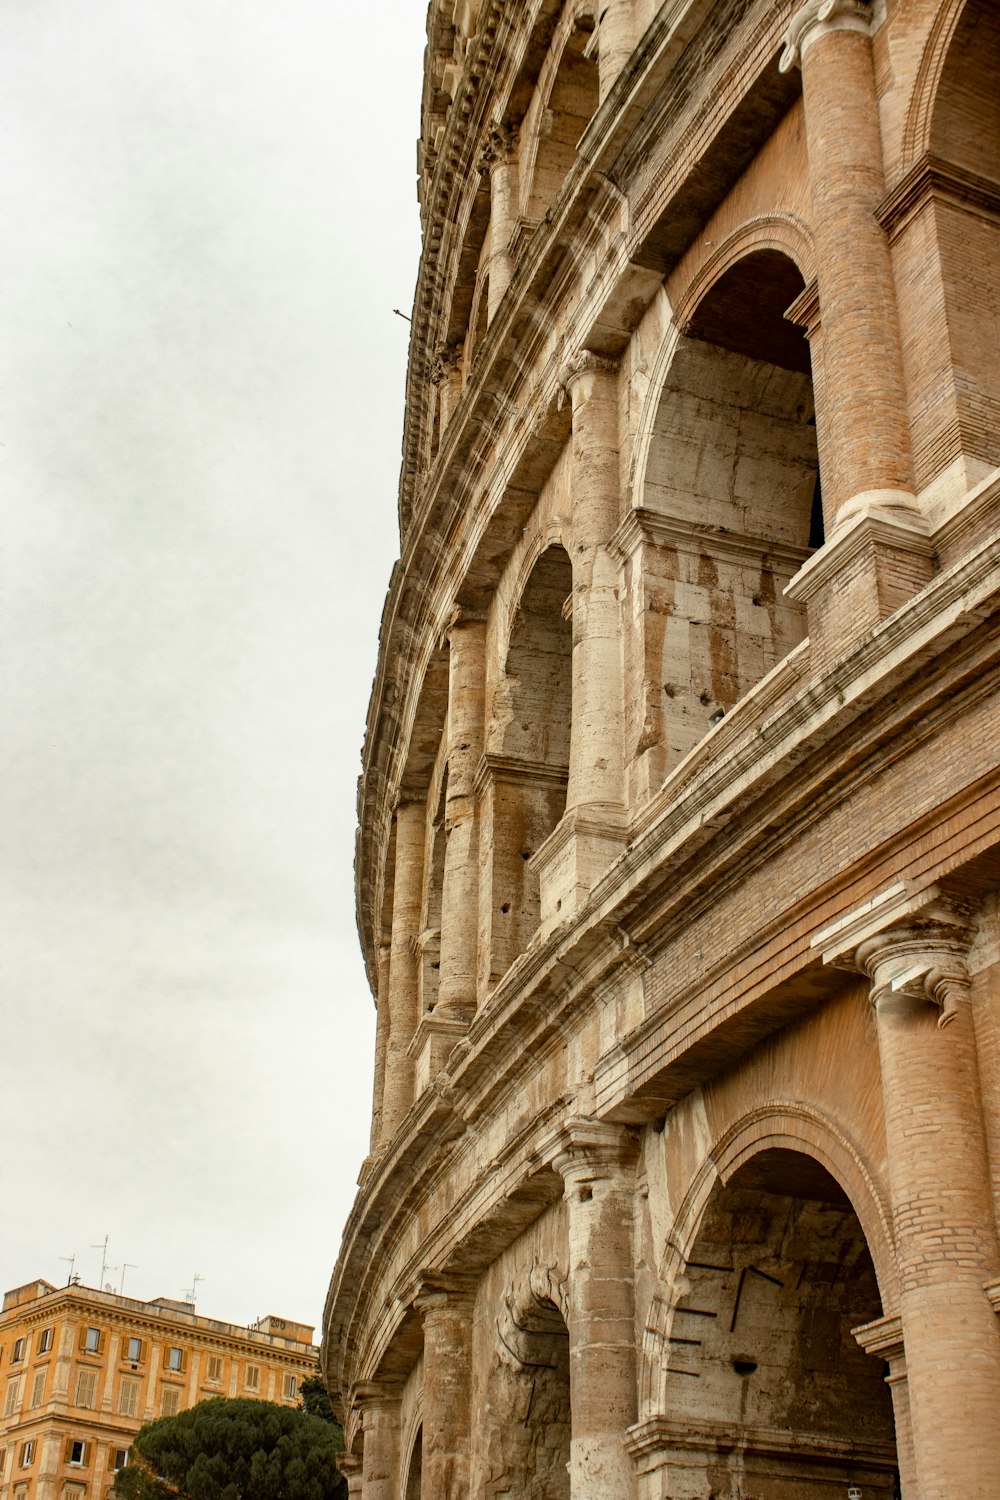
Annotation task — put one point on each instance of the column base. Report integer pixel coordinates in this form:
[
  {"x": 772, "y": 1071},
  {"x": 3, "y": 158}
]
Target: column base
[
  {"x": 432, "y": 1045},
  {"x": 878, "y": 555},
  {"x": 581, "y": 848}
]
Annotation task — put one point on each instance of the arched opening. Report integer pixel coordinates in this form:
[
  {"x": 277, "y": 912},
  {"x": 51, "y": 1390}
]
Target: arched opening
[
  {"x": 527, "y": 761},
  {"x": 526, "y": 1431},
  {"x": 556, "y": 121},
  {"x": 765, "y": 1390},
  {"x": 731, "y": 507},
  {"x": 411, "y": 1490},
  {"x": 948, "y": 241}
]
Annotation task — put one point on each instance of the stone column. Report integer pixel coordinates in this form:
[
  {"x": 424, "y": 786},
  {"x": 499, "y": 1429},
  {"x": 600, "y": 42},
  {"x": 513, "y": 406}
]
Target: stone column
[
  {"x": 591, "y": 834},
  {"x": 402, "y": 986},
  {"x": 380, "y": 1458},
  {"x": 350, "y": 1465},
  {"x": 596, "y": 1163},
  {"x": 460, "y": 895},
  {"x": 863, "y": 367},
  {"x": 862, "y": 417},
  {"x": 447, "y": 377},
  {"x": 616, "y": 28},
  {"x": 381, "y": 1042},
  {"x": 912, "y": 946},
  {"x": 447, "y": 1402},
  {"x": 884, "y": 1340},
  {"x": 595, "y": 766},
  {"x": 499, "y": 158}
]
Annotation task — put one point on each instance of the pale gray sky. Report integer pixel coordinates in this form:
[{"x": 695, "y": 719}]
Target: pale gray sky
[{"x": 210, "y": 213}]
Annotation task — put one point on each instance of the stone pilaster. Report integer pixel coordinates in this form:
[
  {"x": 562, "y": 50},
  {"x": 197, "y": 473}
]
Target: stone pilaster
[
  {"x": 460, "y": 894},
  {"x": 380, "y": 1423},
  {"x": 447, "y": 376},
  {"x": 381, "y": 1042},
  {"x": 596, "y": 1162},
  {"x": 446, "y": 1308},
  {"x": 499, "y": 158},
  {"x": 864, "y": 437},
  {"x": 592, "y": 832},
  {"x": 350, "y": 1465},
  {"x": 883, "y": 1339},
  {"x": 616, "y": 38},
  {"x": 912, "y": 946},
  {"x": 402, "y": 983}
]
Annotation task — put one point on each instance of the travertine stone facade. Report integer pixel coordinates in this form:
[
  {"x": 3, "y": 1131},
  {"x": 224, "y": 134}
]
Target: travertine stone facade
[{"x": 679, "y": 829}]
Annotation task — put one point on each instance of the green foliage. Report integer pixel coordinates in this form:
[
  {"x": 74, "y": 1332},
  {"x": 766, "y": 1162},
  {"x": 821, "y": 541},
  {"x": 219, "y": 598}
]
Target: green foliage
[
  {"x": 234, "y": 1450},
  {"x": 313, "y": 1398}
]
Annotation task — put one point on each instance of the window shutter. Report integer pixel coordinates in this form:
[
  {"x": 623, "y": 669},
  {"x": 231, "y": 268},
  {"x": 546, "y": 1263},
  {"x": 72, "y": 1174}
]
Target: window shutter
[{"x": 68, "y": 1456}]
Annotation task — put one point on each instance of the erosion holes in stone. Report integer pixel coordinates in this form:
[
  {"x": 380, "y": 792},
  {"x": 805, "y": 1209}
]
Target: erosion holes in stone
[{"x": 761, "y": 1361}]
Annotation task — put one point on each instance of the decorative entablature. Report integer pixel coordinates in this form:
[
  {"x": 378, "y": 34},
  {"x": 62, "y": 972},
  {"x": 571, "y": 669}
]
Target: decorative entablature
[{"x": 514, "y": 386}]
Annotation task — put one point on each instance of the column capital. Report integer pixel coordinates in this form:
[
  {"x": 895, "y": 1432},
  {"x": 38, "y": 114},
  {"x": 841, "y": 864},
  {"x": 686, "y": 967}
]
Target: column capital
[
  {"x": 817, "y": 18},
  {"x": 578, "y": 374},
  {"x": 447, "y": 358},
  {"x": 911, "y": 943},
  {"x": 370, "y": 1394},
  {"x": 583, "y": 1150},
  {"x": 498, "y": 145},
  {"x": 349, "y": 1464},
  {"x": 430, "y": 1290}
]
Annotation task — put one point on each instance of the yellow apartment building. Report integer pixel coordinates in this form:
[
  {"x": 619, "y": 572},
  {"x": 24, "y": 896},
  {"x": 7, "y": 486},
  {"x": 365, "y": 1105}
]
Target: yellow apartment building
[{"x": 82, "y": 1370}]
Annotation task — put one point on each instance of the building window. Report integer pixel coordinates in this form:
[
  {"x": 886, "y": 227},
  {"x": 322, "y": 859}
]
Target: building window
[
  {"x": 86, "y": 1385},
  {"x": 119, "y": 1458},
  {"x": 20, "y": 1492},
  {"x": 44, "y": 1341},
  {"x": 3, "y": 1461},
  {"x": 128, "y": 1398},
  {"x": 214, "y": 1369},
  {"x": 38, "y": 1389},
  {"x": 171, "y": 1403},
  {"x": 92, "y": 1340},
  {"x": 133, "y": 1350},
  {"x": 17, "y": 1353},
  {"x": 76, "y": 1452},
  {"x": 13, "y": 1400},
  {"x": 289, "y": 1387},
  {"x": 27, "y": 1453},
  {"x": 175, "y": 1359},
  {"x": 253, "y": 1377}
]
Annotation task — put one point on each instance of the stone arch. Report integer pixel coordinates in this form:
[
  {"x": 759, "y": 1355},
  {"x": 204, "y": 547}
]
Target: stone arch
[
  {"x": 527, "y": 1397},
  {"x": 523, "y": 794},
  {"x": 780, "y": 1248},
  {"x": 726, "y": 492},
  {"x": 917, "y": 130},
  {"x": 566, "y": 98}
]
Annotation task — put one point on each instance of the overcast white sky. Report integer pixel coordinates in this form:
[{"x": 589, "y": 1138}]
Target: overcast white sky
[{"x": 209, "y": 214}]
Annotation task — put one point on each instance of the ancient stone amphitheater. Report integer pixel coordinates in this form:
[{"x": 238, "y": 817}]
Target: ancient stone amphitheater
[{"x": 679, "y": 829}]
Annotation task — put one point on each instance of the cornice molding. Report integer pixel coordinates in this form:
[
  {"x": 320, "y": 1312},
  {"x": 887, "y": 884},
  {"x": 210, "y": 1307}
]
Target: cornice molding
[{"x": 934, "y": 180}]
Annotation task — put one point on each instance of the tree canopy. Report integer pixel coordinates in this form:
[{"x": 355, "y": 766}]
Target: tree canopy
[{"x": 234, "y": 1450}]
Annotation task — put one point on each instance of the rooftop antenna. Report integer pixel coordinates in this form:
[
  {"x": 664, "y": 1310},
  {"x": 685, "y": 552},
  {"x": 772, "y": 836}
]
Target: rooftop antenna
[
  {"x": 190, "y": 1294},
  {"x": 71, "y": 1262},
  {"x": 104, "y": 1257},
  {"x": 126, "y": 1265}
]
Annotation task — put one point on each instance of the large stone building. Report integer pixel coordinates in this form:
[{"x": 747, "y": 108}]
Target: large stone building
[
  {"x": 679, "y": 828},
  {"x": 81, "y": 1370}
]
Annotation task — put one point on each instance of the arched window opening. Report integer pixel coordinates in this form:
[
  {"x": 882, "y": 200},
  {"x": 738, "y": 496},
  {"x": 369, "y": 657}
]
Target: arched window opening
[
  {"x": 732, "y": 506},
  {"x": 480, "y": 316},
  {"x": 527, "y": 761},
  {"x": 761, "y": 1363},
  {"x": 556, "y": 121},
  {"x": 526, "y": 1434}
]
